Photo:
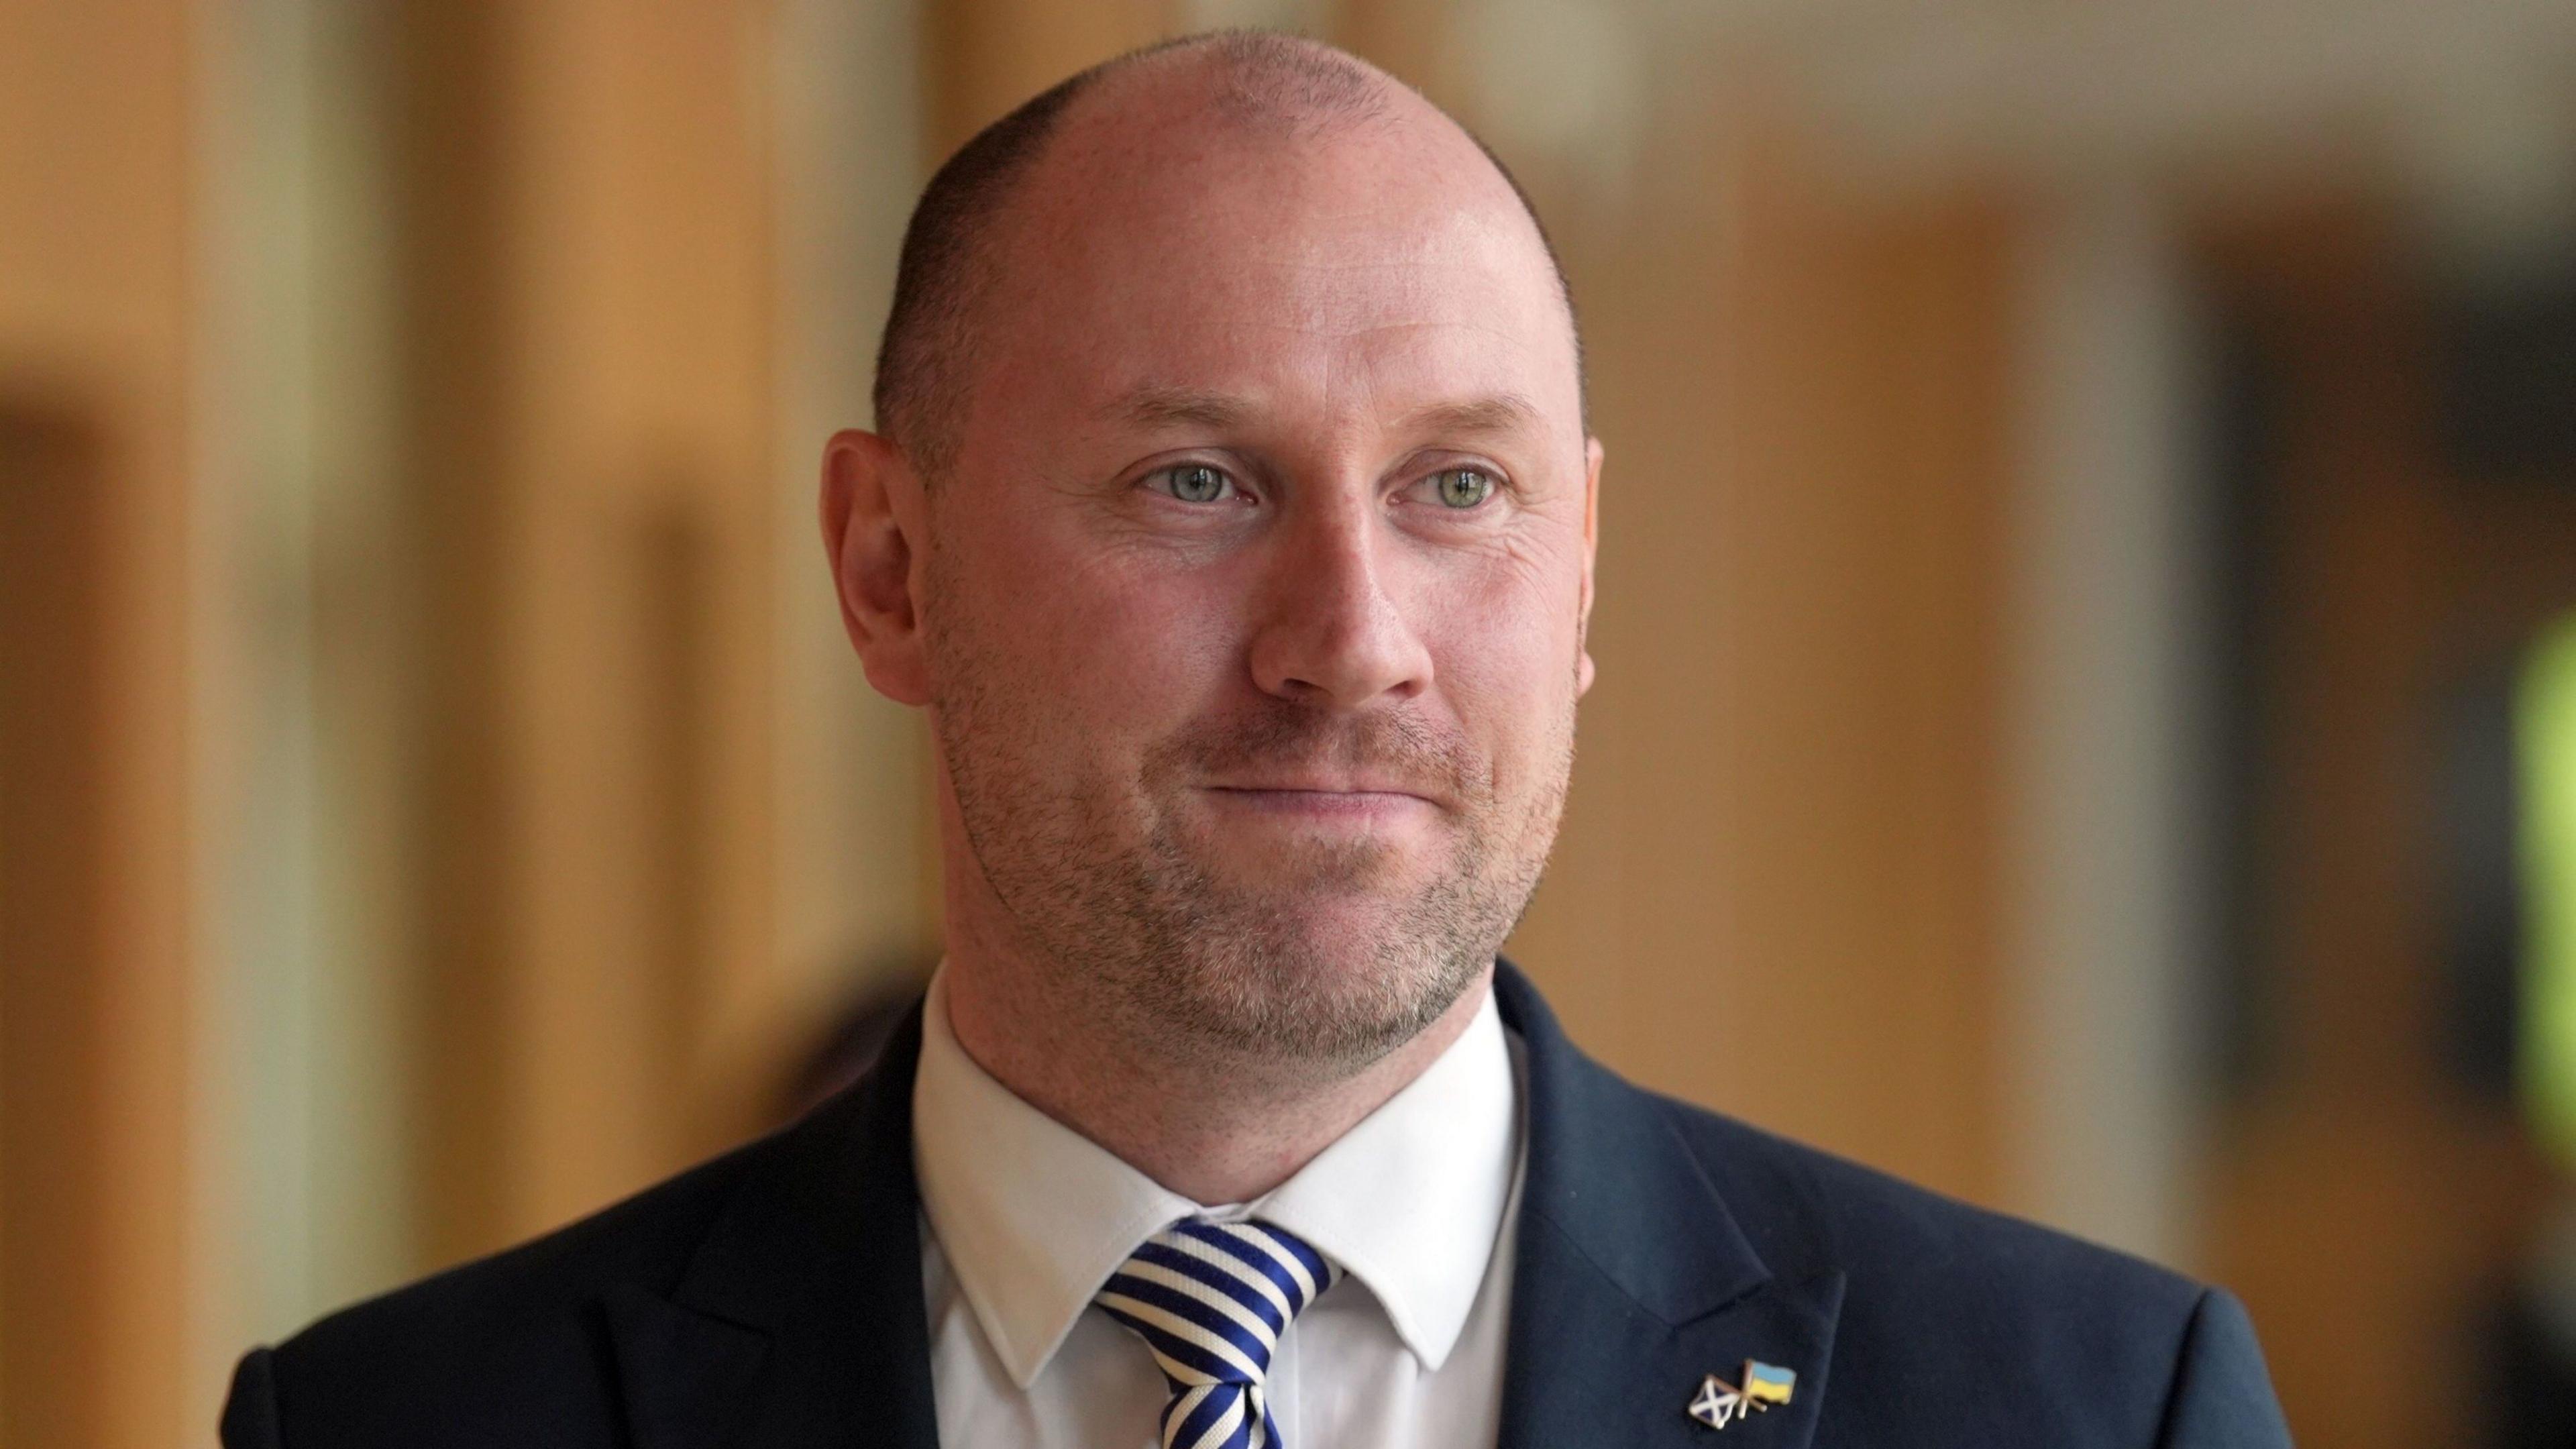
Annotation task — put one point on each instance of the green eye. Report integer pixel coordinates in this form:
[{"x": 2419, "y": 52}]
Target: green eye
[
  {"x": 1195, "y": 483},
  {"x": 1464, "y": 487}
]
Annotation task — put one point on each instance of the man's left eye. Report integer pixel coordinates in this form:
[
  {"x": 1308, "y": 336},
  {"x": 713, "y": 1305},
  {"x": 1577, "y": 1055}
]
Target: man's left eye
[
  {"x": 1462, "y": 487},
  {"x": 1195, "y": 483}
]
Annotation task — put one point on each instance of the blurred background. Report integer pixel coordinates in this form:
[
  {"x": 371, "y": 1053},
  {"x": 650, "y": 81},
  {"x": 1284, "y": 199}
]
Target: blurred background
[{"x": 2087, "y": 713}]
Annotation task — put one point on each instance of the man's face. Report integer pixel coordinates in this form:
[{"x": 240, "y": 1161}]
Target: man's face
[{"x": 1253, "y": 602}]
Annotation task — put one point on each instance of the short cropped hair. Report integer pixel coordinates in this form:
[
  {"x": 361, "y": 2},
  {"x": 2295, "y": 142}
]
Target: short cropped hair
[{"x": 926, "y": 357}]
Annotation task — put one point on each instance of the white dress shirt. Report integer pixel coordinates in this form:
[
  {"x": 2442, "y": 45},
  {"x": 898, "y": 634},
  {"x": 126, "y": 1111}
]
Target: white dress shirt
[{"x": 1023, "y": 1219}]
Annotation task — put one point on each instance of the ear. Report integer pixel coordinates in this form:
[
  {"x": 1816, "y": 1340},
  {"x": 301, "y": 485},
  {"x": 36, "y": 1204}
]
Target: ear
[
  {"x": 872, "y": 518},
  {"x": 1591, "y": 548}
]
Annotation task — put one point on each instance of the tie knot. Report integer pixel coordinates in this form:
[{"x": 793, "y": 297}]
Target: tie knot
[{"x": 1212, "y": 1299}]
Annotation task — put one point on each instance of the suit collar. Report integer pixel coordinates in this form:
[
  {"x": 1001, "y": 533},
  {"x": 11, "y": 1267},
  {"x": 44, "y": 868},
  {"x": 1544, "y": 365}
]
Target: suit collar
[
  {"x": 1632, "y": 1279},
  {"x": 801, "y": 1319},
  {"x": 1609, "y": 1172},
  {"x": 1032, "y": 1217}
]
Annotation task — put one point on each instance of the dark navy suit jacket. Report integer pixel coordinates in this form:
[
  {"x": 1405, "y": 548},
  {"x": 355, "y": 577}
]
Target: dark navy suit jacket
[{"x": 773, "y": 1298}]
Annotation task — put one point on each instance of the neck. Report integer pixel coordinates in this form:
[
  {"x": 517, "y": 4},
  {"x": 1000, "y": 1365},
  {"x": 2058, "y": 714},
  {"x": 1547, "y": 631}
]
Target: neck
[{"x": 1213, "y": 1132}]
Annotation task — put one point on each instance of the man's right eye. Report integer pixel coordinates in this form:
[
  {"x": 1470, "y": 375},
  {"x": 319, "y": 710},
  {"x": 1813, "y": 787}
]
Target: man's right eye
[{"x": 1196, "y": 483}]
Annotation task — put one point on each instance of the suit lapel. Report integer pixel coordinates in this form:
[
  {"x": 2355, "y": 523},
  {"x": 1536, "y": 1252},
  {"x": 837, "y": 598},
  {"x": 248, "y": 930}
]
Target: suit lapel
[
  {"x": 684, "y": 1374},
  {"x": 800, "y": 1321},
  {"x": 1632, "y": 1281}
]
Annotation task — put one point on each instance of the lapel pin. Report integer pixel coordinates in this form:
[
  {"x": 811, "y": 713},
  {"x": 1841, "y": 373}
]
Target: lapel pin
[{"x": 1720, "y": 1403}]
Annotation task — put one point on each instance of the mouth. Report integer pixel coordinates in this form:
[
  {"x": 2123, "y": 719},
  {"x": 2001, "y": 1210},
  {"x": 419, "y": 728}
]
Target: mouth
[{"x": 1337, "y": 801}]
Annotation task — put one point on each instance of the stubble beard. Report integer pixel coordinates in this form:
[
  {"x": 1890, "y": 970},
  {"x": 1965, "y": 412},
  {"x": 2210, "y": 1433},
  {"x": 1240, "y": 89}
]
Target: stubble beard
[{"x": 1139, "y": 932}]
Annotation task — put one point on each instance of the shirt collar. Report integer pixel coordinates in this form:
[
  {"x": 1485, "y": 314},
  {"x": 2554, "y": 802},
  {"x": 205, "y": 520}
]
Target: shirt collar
[{"x": 1033, "y": 1217}]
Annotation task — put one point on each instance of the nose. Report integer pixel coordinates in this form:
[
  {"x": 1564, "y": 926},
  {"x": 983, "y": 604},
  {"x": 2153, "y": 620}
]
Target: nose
[{"x": 1331, "y": 633}]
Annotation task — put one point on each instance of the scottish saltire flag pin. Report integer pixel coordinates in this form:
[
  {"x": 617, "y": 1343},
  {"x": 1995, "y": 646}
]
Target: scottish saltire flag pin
[{"x": 1720, "y": 1403}]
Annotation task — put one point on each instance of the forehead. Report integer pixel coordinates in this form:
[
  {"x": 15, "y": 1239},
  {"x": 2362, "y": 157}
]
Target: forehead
[{"x": 1376, "y": 264}]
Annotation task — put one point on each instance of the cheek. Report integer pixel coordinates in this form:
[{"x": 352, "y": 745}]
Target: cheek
[
  {"x": 1503, "y": 641},
  {"x": 1108, "y": 654}
]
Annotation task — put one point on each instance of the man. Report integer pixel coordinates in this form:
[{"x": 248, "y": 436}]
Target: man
[{"x": 1231, "y": 514}]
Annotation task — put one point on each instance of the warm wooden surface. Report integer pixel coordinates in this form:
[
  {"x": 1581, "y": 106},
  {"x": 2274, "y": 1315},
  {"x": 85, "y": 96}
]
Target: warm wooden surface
[
  {"x": 983, "y": 57},
  {"x": 95, "y": 276},
  {"x": 55, "y": 874},
  {"x": 1777, "y": 891},
  {"x": 588, "y": 448}
]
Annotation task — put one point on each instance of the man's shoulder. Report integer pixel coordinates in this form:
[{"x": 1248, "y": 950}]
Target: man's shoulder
[
  {"x": 1959, "y": 1310},
  {"x": 521, "y": 1333},
  {"x": 1804, "y": 1208},
  {"x": 1805, "y": 1212}
]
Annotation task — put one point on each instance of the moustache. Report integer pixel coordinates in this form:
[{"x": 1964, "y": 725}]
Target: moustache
[{"x": 1389, "y": 749}]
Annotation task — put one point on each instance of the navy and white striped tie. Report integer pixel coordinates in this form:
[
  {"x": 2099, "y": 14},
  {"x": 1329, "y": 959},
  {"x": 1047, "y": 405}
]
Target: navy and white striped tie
[{"x": 1211, "y": 1300}]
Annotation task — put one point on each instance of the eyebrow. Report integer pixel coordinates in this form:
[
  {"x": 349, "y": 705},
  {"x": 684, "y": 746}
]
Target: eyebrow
[
  {"x": 1168, "y": 407},
  {"x": 1164, "y": 407},
  {"x": 1502, "y": 412}
]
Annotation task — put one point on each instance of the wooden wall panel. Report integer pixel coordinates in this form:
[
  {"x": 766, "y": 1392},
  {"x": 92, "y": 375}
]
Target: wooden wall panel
[
  {"x": 986, "y": 56},
  {"x": 95, "y": 278},
  {"x": 1778, "y": 891},
  {"x": 589, "y": 446},
  {"x": 445, "y": 67},
  {"x": 54, "y": 938}
]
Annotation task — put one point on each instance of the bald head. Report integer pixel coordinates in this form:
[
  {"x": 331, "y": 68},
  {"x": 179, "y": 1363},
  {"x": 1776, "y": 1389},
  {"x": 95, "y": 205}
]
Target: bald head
[{"x": 1240, "y": 87}]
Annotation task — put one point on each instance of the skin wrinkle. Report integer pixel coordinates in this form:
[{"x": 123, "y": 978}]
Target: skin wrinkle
[{"x": 1159, "y": 933}]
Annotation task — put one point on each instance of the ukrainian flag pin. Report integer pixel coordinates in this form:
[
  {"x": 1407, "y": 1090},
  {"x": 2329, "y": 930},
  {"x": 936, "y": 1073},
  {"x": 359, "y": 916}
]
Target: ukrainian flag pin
[{"x": 1720, "y": 1403}]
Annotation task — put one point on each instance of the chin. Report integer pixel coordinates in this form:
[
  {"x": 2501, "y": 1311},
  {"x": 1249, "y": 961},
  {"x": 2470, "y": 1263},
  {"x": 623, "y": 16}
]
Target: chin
[
  {"x": 1346, "y": 939},
  {"x": 1329, "y": 981},
  {"x": 1334, "y": 874}
]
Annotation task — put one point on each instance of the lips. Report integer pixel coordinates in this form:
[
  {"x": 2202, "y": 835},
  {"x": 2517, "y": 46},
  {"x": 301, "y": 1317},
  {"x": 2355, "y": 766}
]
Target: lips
[
  {"x": 1356, "y": 790},
  {"x": 1284, "y": 753}
]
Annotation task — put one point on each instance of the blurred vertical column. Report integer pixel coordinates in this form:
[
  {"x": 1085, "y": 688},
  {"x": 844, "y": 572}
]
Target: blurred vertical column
[
  {"x": 983, "y": 57},
  {"x": 857, "y": 874},
  {"x": 441, "y": 82},
  {"x": 305, "y": 622},
  {"x": 556, "y": 818},
  {"x": 2110, "y": 715},
  {"x": 96, "y": 569},
  {"x": 587, "y": 285}
]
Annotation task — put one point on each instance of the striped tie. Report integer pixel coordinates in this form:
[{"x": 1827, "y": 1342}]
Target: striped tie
[{"x": 1210, "y": 1300}]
